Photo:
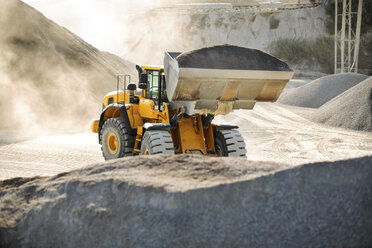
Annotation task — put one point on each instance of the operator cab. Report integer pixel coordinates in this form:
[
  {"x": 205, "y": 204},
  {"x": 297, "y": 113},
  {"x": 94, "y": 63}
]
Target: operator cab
[{"x": 152, "y": 81}]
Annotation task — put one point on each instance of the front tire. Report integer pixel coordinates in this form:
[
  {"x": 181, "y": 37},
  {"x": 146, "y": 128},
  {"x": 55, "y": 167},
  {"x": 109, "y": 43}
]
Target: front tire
[
  {"x": 229, "y": 143},
  {"x": 116, "y": 142},
  {"x": 157, "y": 142}
]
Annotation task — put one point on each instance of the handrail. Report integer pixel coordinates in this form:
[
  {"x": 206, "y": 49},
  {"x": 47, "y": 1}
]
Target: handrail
[{"x": 125, "y": 79}]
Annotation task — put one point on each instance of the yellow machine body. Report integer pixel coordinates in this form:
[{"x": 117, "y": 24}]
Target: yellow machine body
[{"x": 188, "y": 137}]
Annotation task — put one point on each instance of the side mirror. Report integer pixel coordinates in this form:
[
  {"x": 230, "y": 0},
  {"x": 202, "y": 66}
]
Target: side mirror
[{"x": 143, "y": 81}]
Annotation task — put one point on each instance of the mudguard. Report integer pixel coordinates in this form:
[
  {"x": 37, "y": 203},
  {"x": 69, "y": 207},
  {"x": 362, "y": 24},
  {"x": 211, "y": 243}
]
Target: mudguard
[{"x": 124, "y": 113}]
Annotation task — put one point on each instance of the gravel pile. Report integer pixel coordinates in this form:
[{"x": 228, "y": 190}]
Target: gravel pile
[
  {"x": 321, "y": 90},
  {"x": 192, "y": 201},
  {"x": 351, "y": 109},
  {"x": 231, "y": 57},
  {"x": 295, "y": 83}
]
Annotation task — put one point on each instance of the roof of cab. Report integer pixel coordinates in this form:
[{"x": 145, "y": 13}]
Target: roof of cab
[{"x": 152, "y": 67}]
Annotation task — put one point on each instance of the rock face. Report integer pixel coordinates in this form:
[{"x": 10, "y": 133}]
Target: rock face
[
  {"x": 351, "y": 109},
  {"x": 49, "y": 73},
  {"x": 321, "y": 90},
  {"x": 196, "y": 29},
  {"x": 192, "y": 201}
]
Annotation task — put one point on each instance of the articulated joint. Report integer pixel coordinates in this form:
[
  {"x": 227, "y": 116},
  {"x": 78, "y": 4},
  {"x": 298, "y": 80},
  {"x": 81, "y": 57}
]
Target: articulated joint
[
  {"x": 207, "y": 120},
  {"x": 176, "y": 118}
]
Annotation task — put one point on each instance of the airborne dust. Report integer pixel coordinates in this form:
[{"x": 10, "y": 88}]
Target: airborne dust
[{"x": 50, "y": 79}]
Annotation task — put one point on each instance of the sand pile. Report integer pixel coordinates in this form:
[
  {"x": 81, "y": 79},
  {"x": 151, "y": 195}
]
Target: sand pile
[
  {"x": 351, "y": 109},
  {"x": 321, "y": 90},
  {"x": 192, "y": 201},
  {"x": 231, "y": 57},
  {"x": 49, "y": 73}
]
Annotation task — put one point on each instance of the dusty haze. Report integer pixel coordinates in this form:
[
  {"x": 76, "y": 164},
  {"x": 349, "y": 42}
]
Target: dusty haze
[
  {"x": 141, "y": 31},
  {"x": 104, "y": 23},
  {"x": 50, "y": 78}
]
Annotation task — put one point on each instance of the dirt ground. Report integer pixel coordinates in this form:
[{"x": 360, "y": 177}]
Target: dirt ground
[
  {"x": 46, "y": 156},
  {"x": 272, "y": 132}
]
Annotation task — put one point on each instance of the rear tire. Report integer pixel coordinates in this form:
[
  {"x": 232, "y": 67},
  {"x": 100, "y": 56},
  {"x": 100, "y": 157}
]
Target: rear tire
[
  {"x": 229, "y": 143},
  {"x": 157, "y": 142},
  {"x": 116, "y": 142}
]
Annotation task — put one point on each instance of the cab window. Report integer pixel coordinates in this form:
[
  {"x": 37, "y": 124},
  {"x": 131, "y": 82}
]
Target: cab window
[
  {"x": 152, "y": 90},
  {"x": 156, "y": 86}
]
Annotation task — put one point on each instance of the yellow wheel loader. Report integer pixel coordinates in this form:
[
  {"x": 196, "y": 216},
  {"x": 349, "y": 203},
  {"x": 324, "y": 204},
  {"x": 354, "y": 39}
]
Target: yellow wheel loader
[{"x": 171, "y": 109}]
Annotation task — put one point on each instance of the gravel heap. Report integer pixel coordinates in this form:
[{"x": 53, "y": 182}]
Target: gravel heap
[
  {"x": 295, "y": 83},
  {"x": 351, "y": 109},
  {"x": 321, "y": 90},
  {"x": 191, "y": 201},
  {"x": 231, "y": 57}
]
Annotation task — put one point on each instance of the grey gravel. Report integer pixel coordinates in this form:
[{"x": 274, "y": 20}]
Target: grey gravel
[
  {"x": 231, "y": 57},
  {"x": 193, "y": 201},
  {"x": 321, "y": 90},
  {"x": 351, "y": 109}
]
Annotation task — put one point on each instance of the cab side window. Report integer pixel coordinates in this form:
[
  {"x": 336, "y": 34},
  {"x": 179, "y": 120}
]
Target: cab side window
[{"x": 152, "y": 90}]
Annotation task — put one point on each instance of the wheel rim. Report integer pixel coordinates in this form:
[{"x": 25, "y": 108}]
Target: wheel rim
[{"x": 112, "y": 143}]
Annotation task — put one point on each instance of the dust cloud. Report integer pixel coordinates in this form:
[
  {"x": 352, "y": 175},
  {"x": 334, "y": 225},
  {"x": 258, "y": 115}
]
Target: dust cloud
[
  {"x": 140, "y": 31},
  {"x": 115, "y": 25},
  {"x": 50, "y": 79}
]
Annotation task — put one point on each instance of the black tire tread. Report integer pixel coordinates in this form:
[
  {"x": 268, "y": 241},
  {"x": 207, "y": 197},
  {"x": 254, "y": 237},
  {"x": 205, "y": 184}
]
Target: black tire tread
[
  {"x": 233, "y": 142},
  {"x": 157, "y": 142},
  {"x": 128, "y": 141}
]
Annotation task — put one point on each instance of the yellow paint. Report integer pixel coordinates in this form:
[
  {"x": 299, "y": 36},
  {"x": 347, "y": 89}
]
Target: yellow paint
[
  {"x": 147, "y": 110},
  {"x": 94, "y": 126},
  {"x": 164, "y": 115},
  {"x": 209, "y": 138},
  {"x": 189, "y": 136},
  {"x": 112, "y": 142},
  {"x": 119, "y": 96},
  {"x": 112, "y": 113},
  {"x": 134, "y": 116},
  {"x": 152, "y": 67},
  {"x": 136, "y": 148}
]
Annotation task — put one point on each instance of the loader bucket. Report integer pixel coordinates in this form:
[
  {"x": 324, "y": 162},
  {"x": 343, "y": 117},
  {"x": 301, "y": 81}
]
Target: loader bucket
[{"x": 223, "y": 78}]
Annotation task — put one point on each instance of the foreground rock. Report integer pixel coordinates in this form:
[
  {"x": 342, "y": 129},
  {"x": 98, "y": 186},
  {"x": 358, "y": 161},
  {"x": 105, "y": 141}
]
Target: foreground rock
[{"x": 192, "y": 201}]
